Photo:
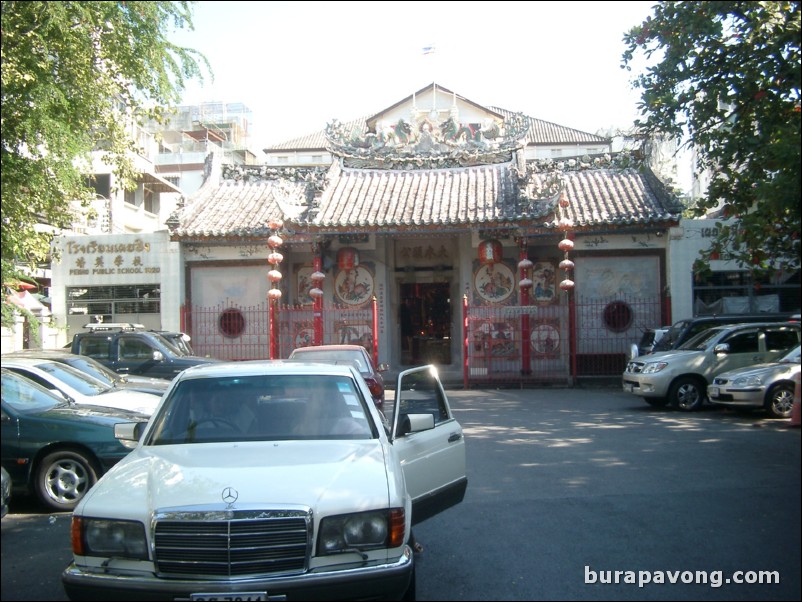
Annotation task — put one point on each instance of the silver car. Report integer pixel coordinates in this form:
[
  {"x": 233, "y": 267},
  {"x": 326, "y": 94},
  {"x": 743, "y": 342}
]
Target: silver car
[{"x": 769, "y": 385}]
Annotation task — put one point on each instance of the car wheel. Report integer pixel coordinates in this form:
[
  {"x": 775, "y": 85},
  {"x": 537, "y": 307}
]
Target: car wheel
[
  {"x": 687, "y": 394},
  {"x": 63, "y": 479},
  {"x": 780, "y": 401},
  {"x": 656, "y": 402}
]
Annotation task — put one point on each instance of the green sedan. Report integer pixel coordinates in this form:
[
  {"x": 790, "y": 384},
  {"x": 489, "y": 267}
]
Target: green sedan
[{"x": 53, "y": 448}]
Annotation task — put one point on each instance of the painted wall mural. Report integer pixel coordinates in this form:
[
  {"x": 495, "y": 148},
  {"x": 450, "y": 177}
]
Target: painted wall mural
[{"x": 494, "y": 283}]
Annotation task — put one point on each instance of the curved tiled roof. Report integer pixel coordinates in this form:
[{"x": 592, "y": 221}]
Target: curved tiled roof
[
  {"x": 232, "y": 210},
  {"x": 359, "y": 200}
]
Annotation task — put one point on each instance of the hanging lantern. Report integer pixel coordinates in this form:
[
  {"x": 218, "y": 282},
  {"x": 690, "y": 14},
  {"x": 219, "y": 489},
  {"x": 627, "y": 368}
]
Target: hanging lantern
[
  {"x": 489, "y": 252},
  {"x": 525, "y": 264},
  {"x": 275, "y": 224},
  {"x": 315, "y": 292},
  {"x": 567, "y": 285},
  {"x": 565, "y": 223},
  {"x": 525, "y": 283},
  {"x": 566, "y": 264},
  {"x": 275, "y": 241},
  {"x": 317, "y": 276},
  {"x": 274, "y": 276},
  {"x": 274, "y": 294},
  {"x": 347, "y": 258},
  {"x": 566, "y": 245},
  {"x": 275, "y": 258}
]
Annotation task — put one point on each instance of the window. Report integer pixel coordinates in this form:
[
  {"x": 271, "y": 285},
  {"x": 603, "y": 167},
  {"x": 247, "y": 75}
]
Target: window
[
  {"x": 420, "y": 395},
  {"x": 781, "y": 339},
  {"x": 743, "y": 342},
  {"x": 134, "y": 349}
]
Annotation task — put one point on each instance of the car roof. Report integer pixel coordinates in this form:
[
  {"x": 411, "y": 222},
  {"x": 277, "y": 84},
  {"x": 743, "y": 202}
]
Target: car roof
[
  {"x": 41, "y": 354},
  {"x": 313, "y": 348},
  {"x": 263, "y": 367},
  {"x": 11, "y": 359}
]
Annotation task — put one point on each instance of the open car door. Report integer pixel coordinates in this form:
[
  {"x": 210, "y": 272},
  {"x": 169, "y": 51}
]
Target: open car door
[{"x": 429, "y": 442}]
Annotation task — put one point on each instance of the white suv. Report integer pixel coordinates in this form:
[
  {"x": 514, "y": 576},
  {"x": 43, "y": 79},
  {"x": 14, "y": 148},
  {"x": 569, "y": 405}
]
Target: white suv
[{"x": 680, "y": 377}]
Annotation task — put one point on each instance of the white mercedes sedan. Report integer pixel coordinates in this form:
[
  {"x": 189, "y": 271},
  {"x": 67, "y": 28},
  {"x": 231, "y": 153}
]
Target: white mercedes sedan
[{"x": 270, "y": 480}]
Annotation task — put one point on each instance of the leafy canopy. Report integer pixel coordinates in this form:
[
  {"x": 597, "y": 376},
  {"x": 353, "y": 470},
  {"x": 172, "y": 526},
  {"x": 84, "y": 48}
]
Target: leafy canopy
[
  {"x": 724, "y": 77},
  {"x": 76, "y": 77}
]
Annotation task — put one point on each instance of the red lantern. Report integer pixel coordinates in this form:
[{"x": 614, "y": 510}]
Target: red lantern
[
  {"x": 489, "y": 252},
  {"x": 347, "y": 258}
]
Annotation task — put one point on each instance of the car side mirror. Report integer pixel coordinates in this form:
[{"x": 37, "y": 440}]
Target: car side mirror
[
  {"x": 415, "y": 423},
  {"x": 158, "y": 356},
  {"x": 129, "y": 431},
  {"x": 721, "y": 348},
  {"x": 383, "y": 367}
]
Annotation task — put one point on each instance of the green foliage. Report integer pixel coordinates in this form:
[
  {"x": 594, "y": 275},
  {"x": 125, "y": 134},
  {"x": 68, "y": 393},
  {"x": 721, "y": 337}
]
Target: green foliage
[
  {"x": 725, "y": 78},
  {"x": 76, "y": 77}
]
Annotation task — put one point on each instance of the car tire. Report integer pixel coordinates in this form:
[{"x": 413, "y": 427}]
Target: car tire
[
  {"x": 656, "y": 402},
  {"x": 63, "y": 478},
  {"x": 687, "y": 394},
  {"x": 780, "y": 400}
]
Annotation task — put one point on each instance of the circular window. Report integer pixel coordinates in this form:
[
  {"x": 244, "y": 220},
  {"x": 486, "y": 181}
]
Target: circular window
[
  {"x": 617, "y": 316},
  {"x": 232, "y": 322}
]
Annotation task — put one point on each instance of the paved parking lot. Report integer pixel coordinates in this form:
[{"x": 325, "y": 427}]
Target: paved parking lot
[{"x": 566, "y": 485}]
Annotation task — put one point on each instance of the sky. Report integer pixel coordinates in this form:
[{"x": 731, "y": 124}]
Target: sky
[{"x": 299, "y": 65}]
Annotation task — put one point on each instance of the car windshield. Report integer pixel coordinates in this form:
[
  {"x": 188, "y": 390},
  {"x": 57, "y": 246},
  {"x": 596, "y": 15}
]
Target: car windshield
[
  {"x": 94, "y": 368},
  {"x": 332, "y": 355},
  {"x": 72, "y": 377},
  {"x": 792, "y": 357},
  {"x": 25, "y": 395},
  {"x": 262, "y": 407},
  {"x": 701, "y": 340}
]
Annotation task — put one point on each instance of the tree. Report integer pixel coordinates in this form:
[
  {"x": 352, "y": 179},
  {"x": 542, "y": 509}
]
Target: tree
[
  {"x": 724, "y": 77},
  {"x": 76, "y": 76}
]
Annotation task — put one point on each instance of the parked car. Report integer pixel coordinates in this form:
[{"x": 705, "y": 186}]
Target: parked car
[
  {"x": 94, "y": 368},
  {"x": 769, "y": 386},
  {"x": 315, "y": 500},
  {"x": 684, "y": 330},
  {"x": 53, "y": 448},
  {"x": 76, "y": 386},
  {"x": 128, "y": 349},
  {"x": 5, "y": 488},
  {"x": 680, "y": 377},
  {"x": 348, "y": 353}
]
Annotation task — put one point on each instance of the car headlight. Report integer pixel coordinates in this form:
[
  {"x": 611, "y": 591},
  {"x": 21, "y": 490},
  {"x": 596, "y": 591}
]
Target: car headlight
[
  {"x": 748, "y": 381},
  {"x": 100, "y": 537},
  {"x": 361, "y": 531},
  {"x": 653, "y": 367}
]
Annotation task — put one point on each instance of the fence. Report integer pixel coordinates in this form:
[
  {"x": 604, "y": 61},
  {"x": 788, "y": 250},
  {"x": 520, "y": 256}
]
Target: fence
[
  {"x": 555, "y": 344},
  {"x": 232, "y": 332},
  {"x": 532, "y": 344}
]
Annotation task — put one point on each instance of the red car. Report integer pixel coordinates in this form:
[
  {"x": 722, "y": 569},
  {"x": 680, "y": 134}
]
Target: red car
[{"x": 355, "y": 354}]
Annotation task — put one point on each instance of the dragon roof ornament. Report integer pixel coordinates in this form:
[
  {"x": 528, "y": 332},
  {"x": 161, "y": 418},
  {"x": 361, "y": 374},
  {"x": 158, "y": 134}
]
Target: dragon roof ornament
[{"x": 428, "y": 145}]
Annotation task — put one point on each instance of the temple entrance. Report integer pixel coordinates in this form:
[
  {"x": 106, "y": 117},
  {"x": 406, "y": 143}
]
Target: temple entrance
[{"x": 425, "y": 323}]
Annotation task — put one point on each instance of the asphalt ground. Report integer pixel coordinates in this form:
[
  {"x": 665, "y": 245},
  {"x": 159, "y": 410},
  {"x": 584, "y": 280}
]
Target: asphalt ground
[{"x": 568, "y": 486}]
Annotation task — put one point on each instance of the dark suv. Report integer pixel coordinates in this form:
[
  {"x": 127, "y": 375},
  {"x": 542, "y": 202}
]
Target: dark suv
[{"x": 130, "y": 349}]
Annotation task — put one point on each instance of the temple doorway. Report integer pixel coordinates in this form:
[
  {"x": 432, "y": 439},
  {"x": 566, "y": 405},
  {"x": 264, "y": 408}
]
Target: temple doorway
[{"x": 425, "y": 323}]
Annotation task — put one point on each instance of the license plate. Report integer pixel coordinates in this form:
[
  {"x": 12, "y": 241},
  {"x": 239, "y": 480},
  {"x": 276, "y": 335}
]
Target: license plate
[
  {"x": 234, "y": 597},
  {"x": 713, "y": 391}
]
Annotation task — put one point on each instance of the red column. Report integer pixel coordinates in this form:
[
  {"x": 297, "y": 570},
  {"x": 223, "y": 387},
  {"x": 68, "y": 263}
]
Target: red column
[
  {"x": 526, "y": 367},
  {"x": 465, "y": 342},
  {"x": 273, "y": 329},
  {"x": 375, "y": 342},
  {"x": 317, "y": 307}
]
